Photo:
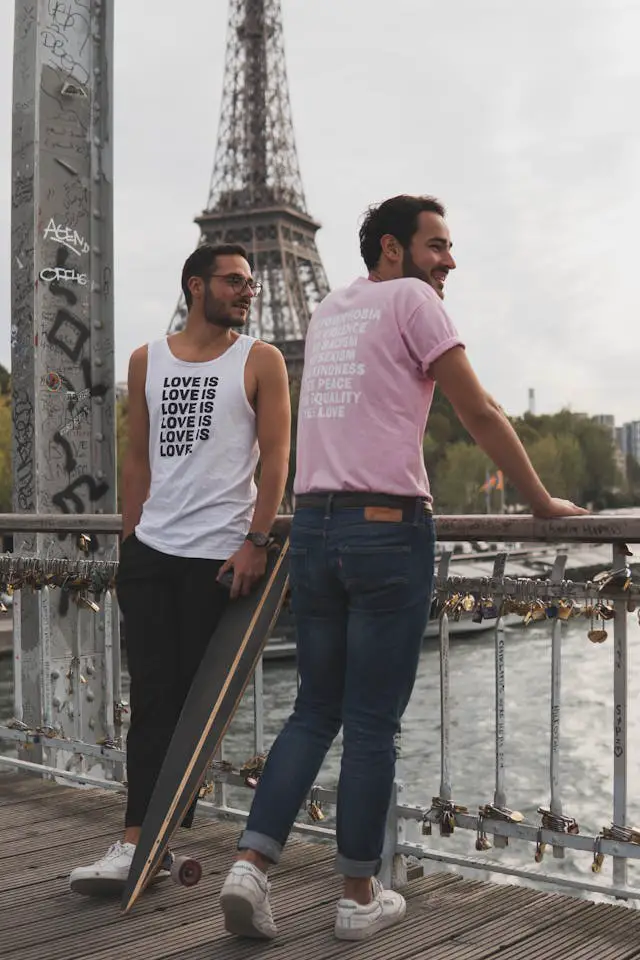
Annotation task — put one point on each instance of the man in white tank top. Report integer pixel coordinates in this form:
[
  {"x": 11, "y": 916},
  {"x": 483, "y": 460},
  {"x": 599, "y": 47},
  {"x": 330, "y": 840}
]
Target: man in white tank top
[{"x": 204, "y": 406}]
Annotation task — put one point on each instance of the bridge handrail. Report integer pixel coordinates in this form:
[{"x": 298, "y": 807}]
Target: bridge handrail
[{"x": 593, "y": 528}]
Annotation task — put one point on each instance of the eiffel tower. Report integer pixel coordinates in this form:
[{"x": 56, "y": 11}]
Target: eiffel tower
[{"x": 256, "y": 196}]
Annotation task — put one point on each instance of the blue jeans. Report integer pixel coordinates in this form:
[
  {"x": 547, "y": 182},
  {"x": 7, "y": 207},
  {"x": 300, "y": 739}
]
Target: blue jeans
[{"x": 361, "y": 591}]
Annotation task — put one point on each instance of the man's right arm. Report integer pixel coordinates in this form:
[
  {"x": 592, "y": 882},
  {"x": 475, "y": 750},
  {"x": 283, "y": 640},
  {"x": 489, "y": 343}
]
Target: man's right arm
[
  {"x": 136, "y": 472},
  {"x": 490, "y": 428}
]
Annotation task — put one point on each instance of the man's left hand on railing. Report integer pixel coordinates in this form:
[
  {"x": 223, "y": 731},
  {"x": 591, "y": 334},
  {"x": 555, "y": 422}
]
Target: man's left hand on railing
[{"x": 554, "y": 508}]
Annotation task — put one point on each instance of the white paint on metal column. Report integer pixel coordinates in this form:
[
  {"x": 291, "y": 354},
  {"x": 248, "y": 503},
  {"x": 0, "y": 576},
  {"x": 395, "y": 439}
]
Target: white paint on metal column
[{"x": 62, "y": 348}]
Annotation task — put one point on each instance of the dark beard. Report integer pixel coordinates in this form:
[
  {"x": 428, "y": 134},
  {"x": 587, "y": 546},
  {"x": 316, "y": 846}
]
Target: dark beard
[
  {"x": 409, "y": 269},
  {"x": 216, "y": 315}
]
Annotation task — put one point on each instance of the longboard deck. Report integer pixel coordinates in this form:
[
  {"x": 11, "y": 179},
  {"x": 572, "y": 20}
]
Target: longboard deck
[{"x": 211, "y": 703}]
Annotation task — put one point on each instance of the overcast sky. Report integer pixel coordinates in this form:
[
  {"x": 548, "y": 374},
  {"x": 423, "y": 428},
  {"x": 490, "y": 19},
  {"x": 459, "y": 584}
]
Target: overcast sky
[{"x": 522, "y": 117}]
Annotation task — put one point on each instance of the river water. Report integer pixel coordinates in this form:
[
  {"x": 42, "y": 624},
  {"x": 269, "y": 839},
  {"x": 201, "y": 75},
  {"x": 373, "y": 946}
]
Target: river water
[{"x": 586, "y": 733}]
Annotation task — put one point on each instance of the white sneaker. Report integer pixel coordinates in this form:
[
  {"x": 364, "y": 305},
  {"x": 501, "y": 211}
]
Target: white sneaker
[
  {"x": 109, "y": 874},
  {"x": 357, "y": 922},
  {"x": 244, "y": 899}
]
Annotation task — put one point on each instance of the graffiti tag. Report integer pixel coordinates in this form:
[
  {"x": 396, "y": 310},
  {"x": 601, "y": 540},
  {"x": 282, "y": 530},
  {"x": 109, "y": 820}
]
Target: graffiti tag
[
  {"x": 60, "y": 274},
  {"x": 69, "y": 238}
]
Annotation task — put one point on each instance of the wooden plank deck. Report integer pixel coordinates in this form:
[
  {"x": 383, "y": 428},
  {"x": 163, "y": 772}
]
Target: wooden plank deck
[{"x": 46, "y": 830}]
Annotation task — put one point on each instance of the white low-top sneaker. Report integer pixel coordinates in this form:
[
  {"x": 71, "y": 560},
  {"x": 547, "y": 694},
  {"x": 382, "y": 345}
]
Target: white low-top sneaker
[
  {"x": 357, "y": 922},
  {"x": 109, "y": 874},
  {"x": 244, "y": 899}
]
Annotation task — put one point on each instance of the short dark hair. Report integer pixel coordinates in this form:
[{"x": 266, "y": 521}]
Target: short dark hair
[
  {"x": 397, "y": 216},
  {"x": 202, "y": 263}
]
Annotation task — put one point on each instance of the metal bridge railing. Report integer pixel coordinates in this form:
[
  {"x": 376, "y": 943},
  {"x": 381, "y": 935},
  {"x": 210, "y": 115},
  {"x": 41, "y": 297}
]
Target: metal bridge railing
[{"x": 607, "y": 598}]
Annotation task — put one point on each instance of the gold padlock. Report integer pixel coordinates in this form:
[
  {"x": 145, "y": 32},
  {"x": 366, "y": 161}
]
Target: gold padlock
[
  {"x": 84, "y": 601},
  {"x": 539, "y": 611},
  {"x": 468, "y": 603},
  {"x": 597, "y": 636},
  {"x": 565, "y": 609},
  {"x": 315, "y": 811},
  {"x": 84, "y": 541},
  {"x": 450, "y": 604},
  {"x": 447, "y": 823},
  {"x": 482, "y": 843}
]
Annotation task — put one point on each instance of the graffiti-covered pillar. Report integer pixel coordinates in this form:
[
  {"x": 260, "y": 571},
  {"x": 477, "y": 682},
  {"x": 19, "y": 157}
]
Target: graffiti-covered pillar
[{"x": 62, "y": 357}]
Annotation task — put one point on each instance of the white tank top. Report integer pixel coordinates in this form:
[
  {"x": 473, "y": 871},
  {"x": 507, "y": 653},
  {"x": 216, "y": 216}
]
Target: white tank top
[{"x": 203, "y": 452}]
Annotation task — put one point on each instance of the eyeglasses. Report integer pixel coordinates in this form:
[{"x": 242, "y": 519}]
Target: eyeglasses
[{"x": 239, "y": 283}]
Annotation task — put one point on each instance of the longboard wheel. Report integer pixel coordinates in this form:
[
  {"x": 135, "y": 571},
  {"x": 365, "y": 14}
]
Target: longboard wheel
[{"x": 186, "y": 871}]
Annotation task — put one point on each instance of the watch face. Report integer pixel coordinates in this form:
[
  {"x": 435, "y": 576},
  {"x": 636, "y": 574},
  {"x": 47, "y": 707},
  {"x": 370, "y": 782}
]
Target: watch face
[{"x": 259, "y": 539}]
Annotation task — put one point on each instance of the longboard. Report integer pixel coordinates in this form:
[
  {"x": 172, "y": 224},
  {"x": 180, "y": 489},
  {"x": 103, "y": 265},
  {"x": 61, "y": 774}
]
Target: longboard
[{"x": 211, "y": 703}]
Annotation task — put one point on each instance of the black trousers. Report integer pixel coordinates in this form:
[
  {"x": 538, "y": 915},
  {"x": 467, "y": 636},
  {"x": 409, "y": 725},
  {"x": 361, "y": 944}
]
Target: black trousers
[{"x": 171, "y": 607}]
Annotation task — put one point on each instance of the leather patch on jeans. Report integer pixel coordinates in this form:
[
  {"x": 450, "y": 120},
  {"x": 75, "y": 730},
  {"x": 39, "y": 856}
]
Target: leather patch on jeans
[{"x": 385, "y": 514}]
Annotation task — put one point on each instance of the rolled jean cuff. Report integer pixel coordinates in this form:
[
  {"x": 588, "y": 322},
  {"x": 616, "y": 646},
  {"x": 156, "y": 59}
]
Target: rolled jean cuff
[
  {"x": 261, "y": 843},
  {"x": 356, "y": 868}
]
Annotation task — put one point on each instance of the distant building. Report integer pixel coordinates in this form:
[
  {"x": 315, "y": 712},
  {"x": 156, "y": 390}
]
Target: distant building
[
  {"x": 532, "y": 401},
  {"x": 608, "y": 421},
  {"x": 629, "y": 439},
  {"x": 122, "y": 389},
  {"x": 618, "y": 437}
]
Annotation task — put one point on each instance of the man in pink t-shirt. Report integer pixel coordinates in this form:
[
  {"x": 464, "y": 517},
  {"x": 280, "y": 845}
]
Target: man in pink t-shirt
[{"x": 362, "y": 550}]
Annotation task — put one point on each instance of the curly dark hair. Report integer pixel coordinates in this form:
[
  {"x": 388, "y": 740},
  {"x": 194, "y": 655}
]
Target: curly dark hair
[{"x": 398, "y": 217}]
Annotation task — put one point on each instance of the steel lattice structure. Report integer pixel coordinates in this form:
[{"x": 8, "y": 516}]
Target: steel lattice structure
[
  {"x": 256, "y": 162},
  {"x": 256, "y": 195}
]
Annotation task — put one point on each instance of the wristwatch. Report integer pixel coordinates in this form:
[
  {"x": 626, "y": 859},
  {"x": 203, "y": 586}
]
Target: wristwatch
[{"x": 258, "y": 539}]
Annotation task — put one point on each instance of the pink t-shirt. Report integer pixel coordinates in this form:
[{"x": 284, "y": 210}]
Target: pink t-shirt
[{"x": 366, "y": 388}]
